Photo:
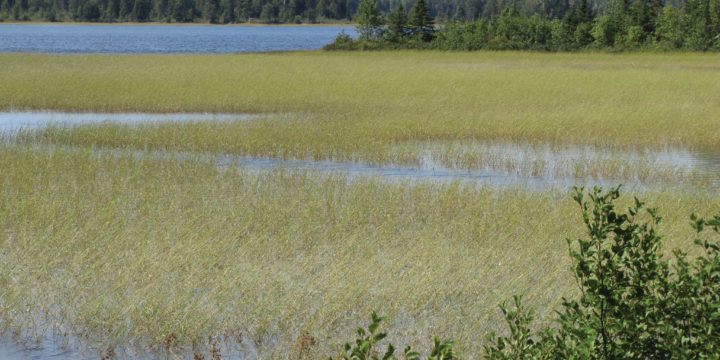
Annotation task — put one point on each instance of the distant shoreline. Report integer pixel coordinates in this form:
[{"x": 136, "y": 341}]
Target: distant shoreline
[{"x": 166, "y": 24}]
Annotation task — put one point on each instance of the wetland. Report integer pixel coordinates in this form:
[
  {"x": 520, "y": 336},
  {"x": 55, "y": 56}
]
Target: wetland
[{"x": 139, "y": 214}]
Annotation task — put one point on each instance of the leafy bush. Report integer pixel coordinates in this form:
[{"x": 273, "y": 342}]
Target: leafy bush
[
  {"x": 633, "y": 304},
  {"x": 343, "y": 41},
  {"x": 367, "y": 339}
]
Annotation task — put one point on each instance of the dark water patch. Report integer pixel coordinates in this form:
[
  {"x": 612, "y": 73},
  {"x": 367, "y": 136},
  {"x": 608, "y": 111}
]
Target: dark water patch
[
  {"x": 50, "y": 339},
  {"x": 65, "y": 347},
  {"x": 145, "y": 39}
]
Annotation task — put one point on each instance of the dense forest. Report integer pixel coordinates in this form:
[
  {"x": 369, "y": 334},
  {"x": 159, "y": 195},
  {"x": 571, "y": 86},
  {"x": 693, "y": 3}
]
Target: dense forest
[
  {"x": 269, "y": 11},
  {"x": 640, "y": 24},
  {"x": 180, "y": 11}
]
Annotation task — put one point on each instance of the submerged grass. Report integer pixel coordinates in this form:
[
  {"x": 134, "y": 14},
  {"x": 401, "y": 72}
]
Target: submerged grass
[
  {"x": 670, "y": 166},
  {"x": 120, "y": 250},
  {"x": 658, "y": 166}
]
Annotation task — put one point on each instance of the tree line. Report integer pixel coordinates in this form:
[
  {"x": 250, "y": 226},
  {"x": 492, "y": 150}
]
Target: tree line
[
  {"x": 208, "y": 11},
  {"x": 273, "y": 11},
  {"x": 623, "y": 24},
  {"x": 180, "y": 11}
]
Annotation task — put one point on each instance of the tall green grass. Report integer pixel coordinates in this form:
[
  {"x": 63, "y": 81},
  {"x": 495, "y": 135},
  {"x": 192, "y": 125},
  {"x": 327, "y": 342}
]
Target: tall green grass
[{"x": 124, "y": 250}]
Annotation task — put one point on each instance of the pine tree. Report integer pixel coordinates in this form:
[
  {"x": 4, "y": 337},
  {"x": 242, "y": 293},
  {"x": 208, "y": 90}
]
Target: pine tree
[
  {"x": 580, "y": 13},
  {"x": 421, "y": 22},
  {"x": 141, "y": 10},
  {"x": 397, "y": 24},
  {"x": 461, "y": 14},
  {"x": 210, "y": 12}
]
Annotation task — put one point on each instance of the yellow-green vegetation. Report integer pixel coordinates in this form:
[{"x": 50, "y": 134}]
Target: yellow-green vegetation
[
  {"x": 121, "y": 248},
  {"x": 124, "y": 250},
  {"x": 386, "y": 107},
  {"x": 366, "y": 102},
  {"x": 263, "y": 137}
]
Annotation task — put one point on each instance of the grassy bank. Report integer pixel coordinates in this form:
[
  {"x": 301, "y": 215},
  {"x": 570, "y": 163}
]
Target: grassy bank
[{"x": 120, "y": 250}]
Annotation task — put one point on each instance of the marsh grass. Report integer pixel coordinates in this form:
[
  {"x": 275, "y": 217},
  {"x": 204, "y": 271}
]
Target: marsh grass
[
  {"x": 651, "y": 167},
  {"x": 393, "y": 108},
  {"x": 172, "y": 254},
  {"x": 368, "y": 102}
]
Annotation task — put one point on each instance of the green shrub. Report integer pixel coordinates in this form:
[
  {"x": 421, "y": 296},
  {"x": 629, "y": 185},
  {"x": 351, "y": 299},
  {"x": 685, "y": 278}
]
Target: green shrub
[
  {"x": 367, "y": 339},
  {"x": 343, "y": 41},
  {"x": 633, "y": 304}
]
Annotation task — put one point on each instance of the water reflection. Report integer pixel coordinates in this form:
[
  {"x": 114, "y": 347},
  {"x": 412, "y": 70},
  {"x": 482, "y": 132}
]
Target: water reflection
[
  {"x": 46, "y": 349},
  {"x": 13, "y": 121},
  {"x": 709, "y": 162},
  {"x": 424, "y": 172},
  {"x": 543, "y": 161},
  {"x": 58, "y": 347},
  {"x": 493, "y": 164}
]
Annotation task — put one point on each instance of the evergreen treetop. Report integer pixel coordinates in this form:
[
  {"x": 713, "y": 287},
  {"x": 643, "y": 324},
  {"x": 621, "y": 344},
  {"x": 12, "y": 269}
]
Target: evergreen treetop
[{"x": 421, "y": 22}]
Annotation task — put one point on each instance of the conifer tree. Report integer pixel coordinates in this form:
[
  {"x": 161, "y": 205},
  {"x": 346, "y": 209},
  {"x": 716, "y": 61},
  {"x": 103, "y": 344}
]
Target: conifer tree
[
  {"x": 397, "y": 24},
  {"x": 461, "y": 14},
  {"x": 421, "y": 22}
]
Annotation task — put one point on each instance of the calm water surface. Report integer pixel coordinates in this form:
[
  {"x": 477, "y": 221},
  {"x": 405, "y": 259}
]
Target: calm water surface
[
  {"x": 142, "y": 39},
  {"x": 14, "y": 121}
]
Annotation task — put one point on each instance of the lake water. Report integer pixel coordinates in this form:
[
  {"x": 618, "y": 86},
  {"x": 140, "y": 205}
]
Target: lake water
[{"x": 143, "y": 39}]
